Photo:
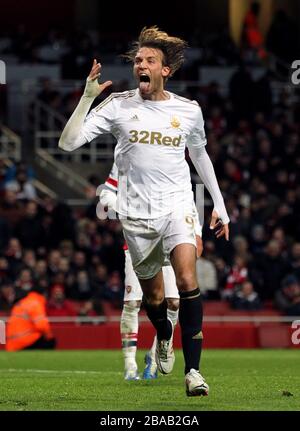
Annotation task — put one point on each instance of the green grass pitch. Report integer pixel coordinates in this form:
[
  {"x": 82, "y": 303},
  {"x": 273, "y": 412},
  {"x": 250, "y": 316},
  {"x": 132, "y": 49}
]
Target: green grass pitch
[{"x": 93, "y": 380}]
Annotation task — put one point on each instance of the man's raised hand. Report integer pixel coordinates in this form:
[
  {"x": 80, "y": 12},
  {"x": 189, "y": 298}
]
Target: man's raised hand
[{"x": 93, "y": 88}]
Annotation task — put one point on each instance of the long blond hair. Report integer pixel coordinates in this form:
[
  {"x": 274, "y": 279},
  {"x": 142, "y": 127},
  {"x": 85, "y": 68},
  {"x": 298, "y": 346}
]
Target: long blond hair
[{"x": 171, "y": 47}]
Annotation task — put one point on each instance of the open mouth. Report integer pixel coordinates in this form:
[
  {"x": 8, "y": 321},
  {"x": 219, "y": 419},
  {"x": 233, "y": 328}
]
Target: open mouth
[
  {"x": 144, "y": 78},
  {"x": 144, "y": 82}
]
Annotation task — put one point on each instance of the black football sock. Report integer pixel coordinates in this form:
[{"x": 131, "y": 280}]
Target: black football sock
[
  {"x": 158, "y": 316},
  {"x": 190, "y": 319}
]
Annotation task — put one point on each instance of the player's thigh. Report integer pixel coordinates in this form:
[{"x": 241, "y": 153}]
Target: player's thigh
[
  {"x": 180, "y": 244},
  {"x": 133, "y": 290},
  {"x": 145, "y": 246}
]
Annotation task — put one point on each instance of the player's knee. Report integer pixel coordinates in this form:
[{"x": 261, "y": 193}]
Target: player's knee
[
  {"x": 130, "y": 311},
  {"x": 186, "y": 282},
  {"x": 173, "y": 304},
  {"x": 154, "y": 298},
  {"x": 132, "y": 305}
]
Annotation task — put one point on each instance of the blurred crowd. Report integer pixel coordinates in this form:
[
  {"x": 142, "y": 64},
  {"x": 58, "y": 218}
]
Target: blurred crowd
[
  {"x": 74, "y": 257},
  {"x": 253, "y": 141}
]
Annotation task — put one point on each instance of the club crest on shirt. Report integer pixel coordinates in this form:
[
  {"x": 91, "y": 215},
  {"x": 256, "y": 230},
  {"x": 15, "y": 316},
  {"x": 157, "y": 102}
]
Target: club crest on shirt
[
  {"x": 175, "y": 122},
  {"x": 128, "y": 289}
]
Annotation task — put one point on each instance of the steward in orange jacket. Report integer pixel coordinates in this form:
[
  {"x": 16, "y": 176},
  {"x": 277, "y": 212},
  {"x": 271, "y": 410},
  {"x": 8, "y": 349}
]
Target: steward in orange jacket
[{"x": 28, "y": 326}]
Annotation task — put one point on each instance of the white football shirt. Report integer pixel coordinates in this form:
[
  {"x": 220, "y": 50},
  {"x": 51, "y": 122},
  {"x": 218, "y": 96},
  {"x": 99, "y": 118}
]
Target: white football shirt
[{"x": 153, "y": 175}]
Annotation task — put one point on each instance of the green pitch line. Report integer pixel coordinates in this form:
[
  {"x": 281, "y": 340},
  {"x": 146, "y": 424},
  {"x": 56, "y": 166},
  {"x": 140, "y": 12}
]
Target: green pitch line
[{"x": 93, "y": 380}]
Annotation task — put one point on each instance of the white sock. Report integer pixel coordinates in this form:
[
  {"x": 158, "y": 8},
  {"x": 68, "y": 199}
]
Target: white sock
[
  {"x": 173, "y": 316},
  {"x": 129, "y": 333},
  {"x": 153, "y": 348}
]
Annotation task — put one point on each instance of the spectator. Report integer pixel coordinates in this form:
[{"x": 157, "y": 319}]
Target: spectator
[
  {"x": 82, "y": 287},
  {"x": 14, "y": 256},
  {"x": 115, "y": 289},
  {"x": 245, "y": 298},
  {"x": 29, "y": 229},
  {"x": 207, "y": 278},
  {"x": 237, "y": 276},
  {"x": 79, "y": 262},
  {"x": 287, "y": 298},
  {"x": 53, "y": 262},
  {"x": 64, "y": 266},
  {"x": 10, "y": 208},
  {"x": 29, "y": 259},
  {"x": 268, "y": 270},
  {"x": 63, "y": 226},
  {"x": 66, "y": 249},
  {"x": 40, "y": 269},
  {"x": 7, "y": 294},
  {"x": 216, "y": 122},
  {"x": 22, "y": 186},
  {"x": 12, "y": 171},
  {"x": 295, "y": 259},
  {"x": 5, "y": 271},
  {"x": 57, "y": 304},
  {"x": 5, "y": 233},
  {"x": 25, "y": 280},
  {"x": 258, "y": 238}
]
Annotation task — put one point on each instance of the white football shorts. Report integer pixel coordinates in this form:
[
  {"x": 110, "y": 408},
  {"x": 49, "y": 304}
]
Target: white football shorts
[
  {"x": 133, "y": 290},
  {"x": 150, "y": 242}
]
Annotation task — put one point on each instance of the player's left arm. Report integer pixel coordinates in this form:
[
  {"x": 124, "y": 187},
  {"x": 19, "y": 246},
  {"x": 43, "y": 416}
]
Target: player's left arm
[{"x": 204, "y": 167}]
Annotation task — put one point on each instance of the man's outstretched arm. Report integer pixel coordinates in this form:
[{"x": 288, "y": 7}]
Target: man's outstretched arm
[{"x": 72, "y": 137}]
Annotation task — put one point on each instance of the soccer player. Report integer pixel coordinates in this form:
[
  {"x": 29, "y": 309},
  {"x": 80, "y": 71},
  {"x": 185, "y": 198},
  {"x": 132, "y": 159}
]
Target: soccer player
[
  {"x": 153, "y": 127},
  {"x": 133, "y": 293}
]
